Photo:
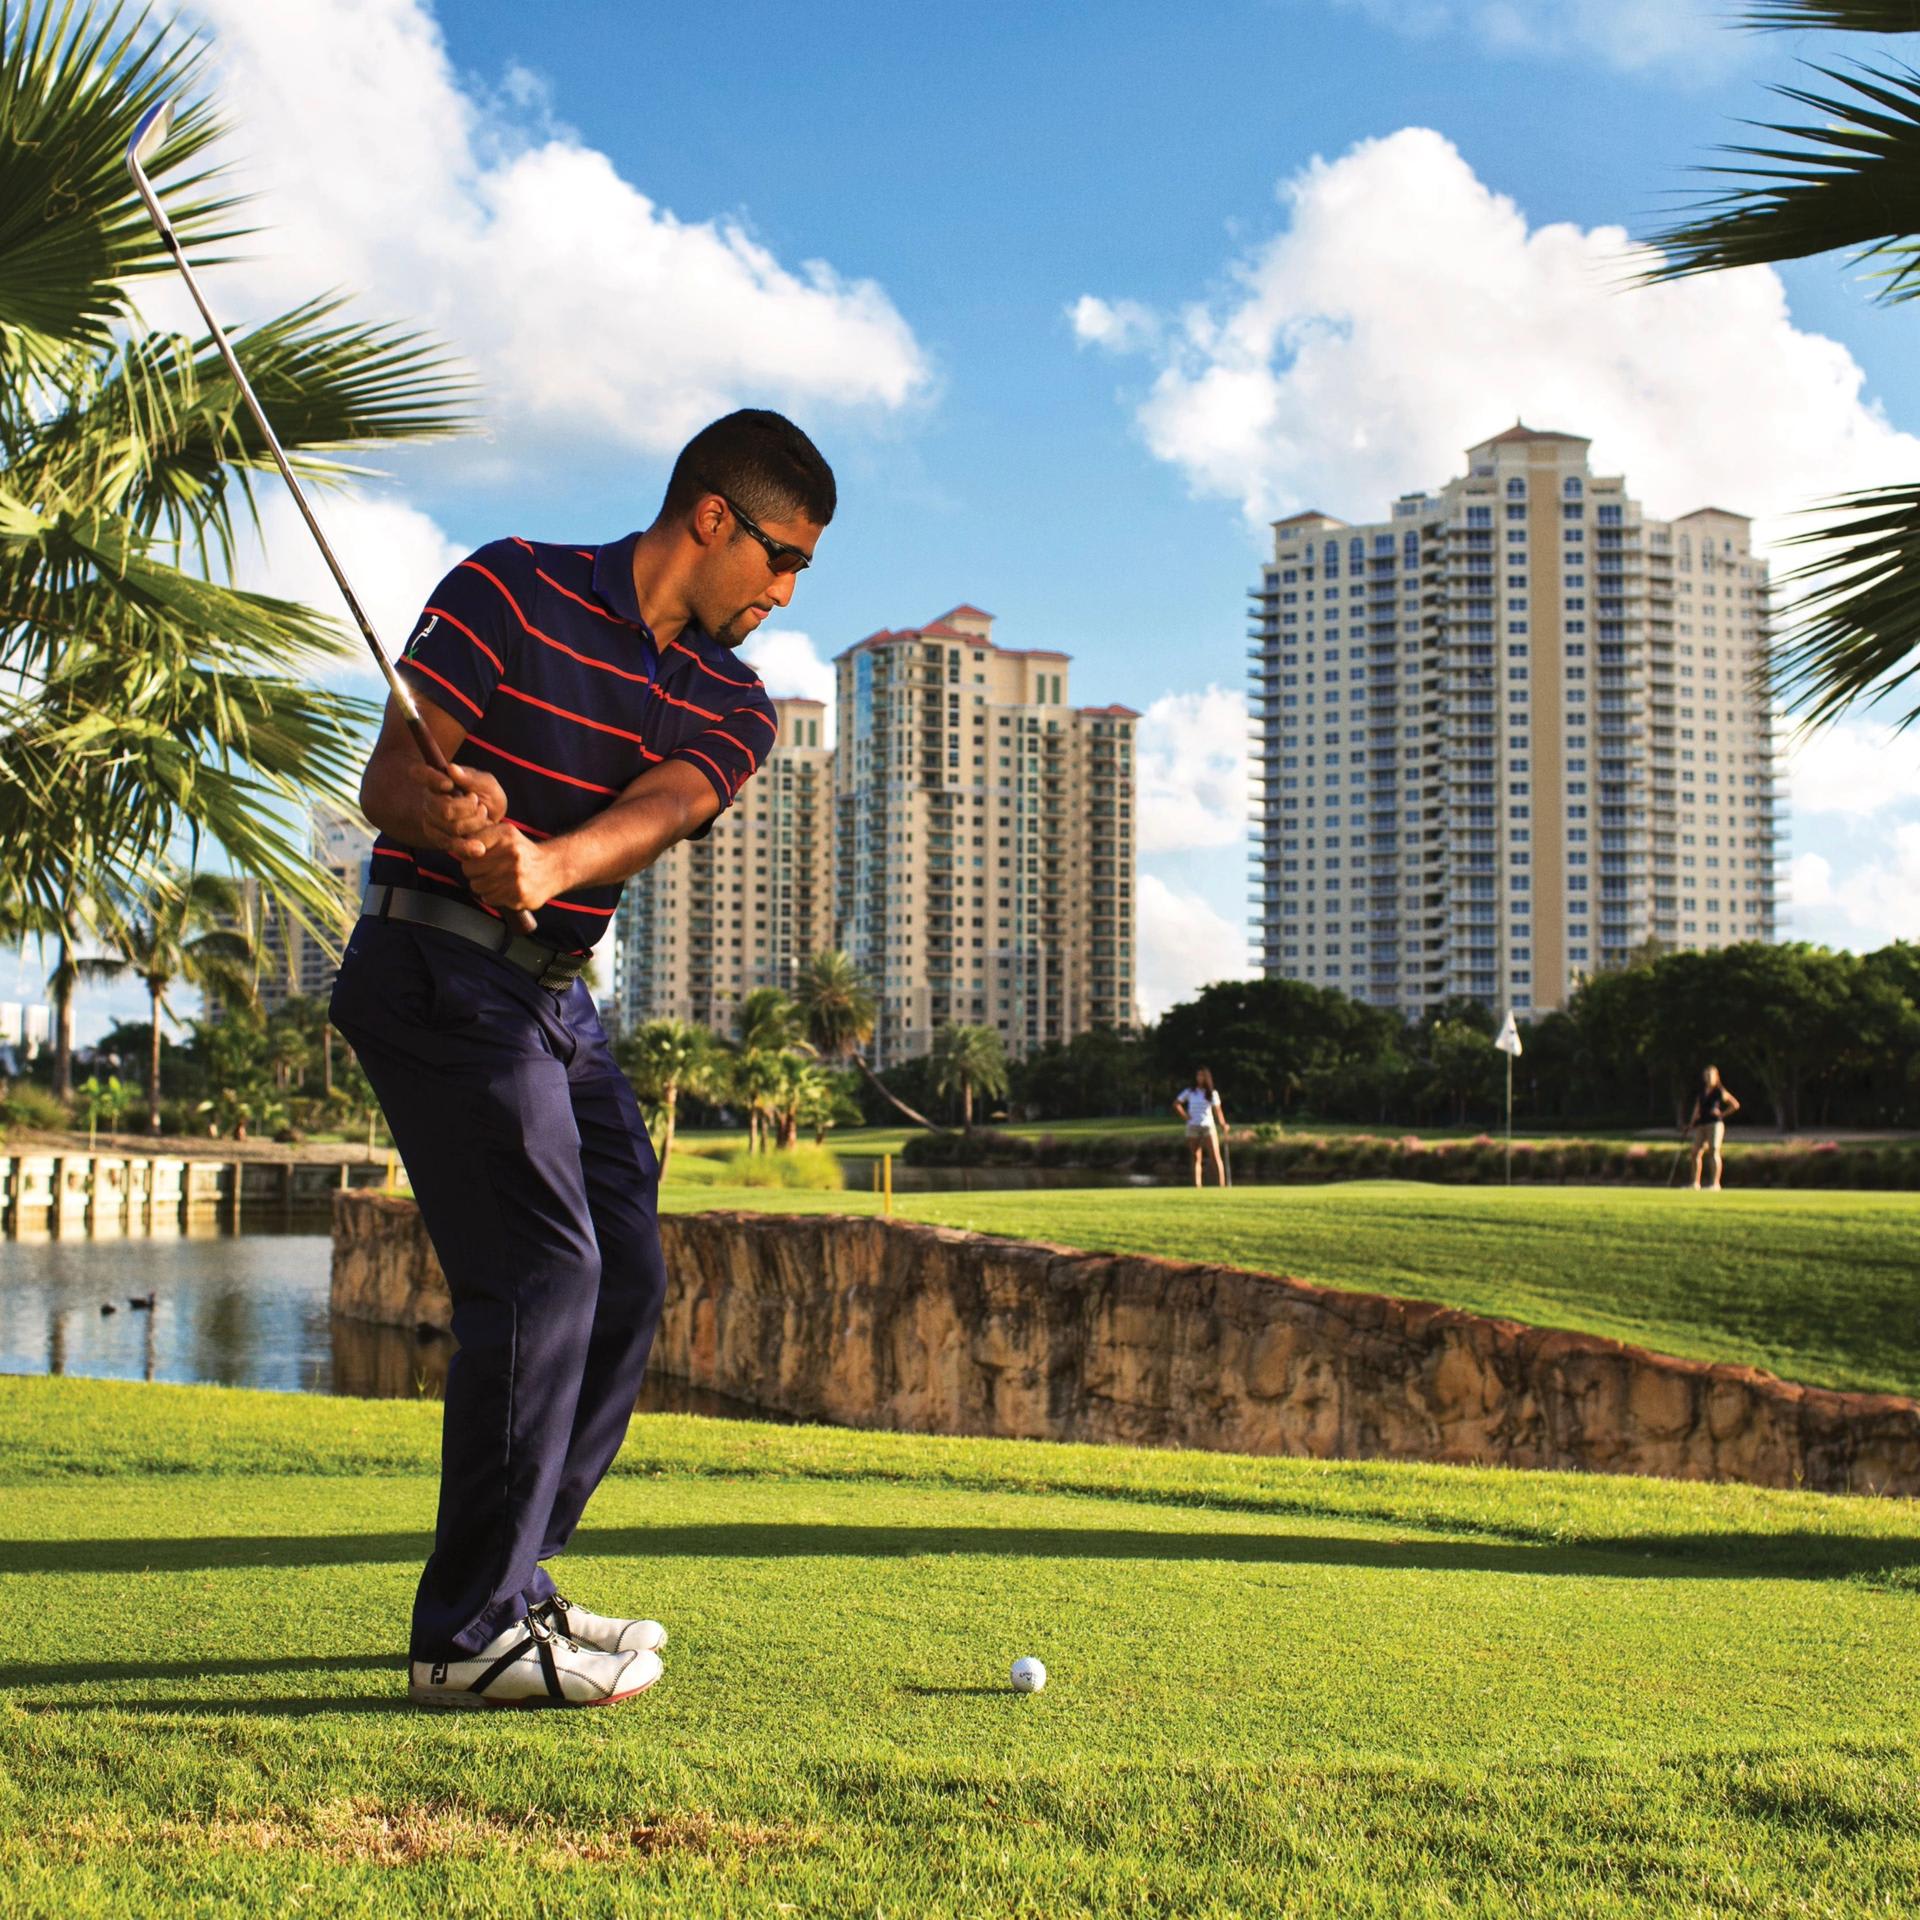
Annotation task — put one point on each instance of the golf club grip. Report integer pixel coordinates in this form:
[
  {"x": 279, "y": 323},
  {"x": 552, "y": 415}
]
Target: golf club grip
[{"x": 518, "y": 917}]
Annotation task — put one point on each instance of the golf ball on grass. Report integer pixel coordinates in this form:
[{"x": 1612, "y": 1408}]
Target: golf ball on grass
[{"x": 1028, "y": 1675}]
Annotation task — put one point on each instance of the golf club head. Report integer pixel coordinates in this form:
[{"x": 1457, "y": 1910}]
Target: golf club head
[{"x": 149, "y": 137}]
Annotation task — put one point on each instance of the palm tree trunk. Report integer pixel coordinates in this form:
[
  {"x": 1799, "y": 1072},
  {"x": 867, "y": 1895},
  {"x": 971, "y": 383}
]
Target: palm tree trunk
[
  {"x": 670, "y": 1102},
  {"x": 893, "y": 1099},
  {"x": 326, "y": 1058},
  {"x": 153, "y": 1062},
  {"x": 63, "y": 1028},
  {"x": 966, "y": 1105}
]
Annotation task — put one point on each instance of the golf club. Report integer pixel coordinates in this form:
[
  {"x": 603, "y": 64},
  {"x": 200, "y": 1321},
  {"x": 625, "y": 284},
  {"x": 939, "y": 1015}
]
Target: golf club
[{"x": 148, "y": 137}]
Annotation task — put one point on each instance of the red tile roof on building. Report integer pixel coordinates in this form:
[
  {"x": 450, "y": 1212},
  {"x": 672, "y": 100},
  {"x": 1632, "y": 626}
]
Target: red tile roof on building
[
  {"x": 1297, "y": 519},
  {"x": 1111, "y": 713},
  {"x": 1519, "y": 431},
  {"x": 940, "y": 629},
  {"x": 1725, "y": 513}
]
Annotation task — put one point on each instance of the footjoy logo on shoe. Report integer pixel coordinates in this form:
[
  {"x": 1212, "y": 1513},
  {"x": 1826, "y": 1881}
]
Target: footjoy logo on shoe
[
  {"x": 432, "y": 622},
  {"x": 440, "y": 1673}
]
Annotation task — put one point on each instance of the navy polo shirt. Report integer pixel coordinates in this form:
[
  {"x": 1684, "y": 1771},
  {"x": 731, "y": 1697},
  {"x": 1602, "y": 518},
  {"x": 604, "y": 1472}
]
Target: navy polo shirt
[{"x": 540, "y": 652}]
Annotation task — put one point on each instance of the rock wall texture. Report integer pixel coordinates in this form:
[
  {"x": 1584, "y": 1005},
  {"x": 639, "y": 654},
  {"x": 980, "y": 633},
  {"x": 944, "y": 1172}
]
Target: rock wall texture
[
  {"x": 884, "y": 1323},
  {"x": 384, "y": 1266}
]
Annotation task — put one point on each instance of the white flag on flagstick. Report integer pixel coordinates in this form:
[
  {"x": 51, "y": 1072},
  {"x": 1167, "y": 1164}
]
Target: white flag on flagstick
[{"x": 1508, "y": 1038}]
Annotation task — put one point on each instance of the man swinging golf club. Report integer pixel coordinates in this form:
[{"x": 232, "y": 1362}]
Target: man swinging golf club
[{"x": 593, "y": 711}]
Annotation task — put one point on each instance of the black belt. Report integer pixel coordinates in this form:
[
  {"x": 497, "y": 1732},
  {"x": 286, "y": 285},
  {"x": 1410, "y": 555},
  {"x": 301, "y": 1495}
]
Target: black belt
[{"x": 554, "y": 970}]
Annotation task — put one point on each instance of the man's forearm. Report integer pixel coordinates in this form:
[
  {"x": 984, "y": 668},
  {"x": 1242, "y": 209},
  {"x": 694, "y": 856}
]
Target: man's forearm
[{"x": 621, "y": 840}]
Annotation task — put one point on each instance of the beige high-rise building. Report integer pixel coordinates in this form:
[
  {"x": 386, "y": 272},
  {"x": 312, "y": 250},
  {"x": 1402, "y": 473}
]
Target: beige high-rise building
[
  {"x": 744, "y": 907},
  {"x": 292, "y": 960},
  {"x": 985, "y": 839},
  {"x": 1509, "y": 735}
]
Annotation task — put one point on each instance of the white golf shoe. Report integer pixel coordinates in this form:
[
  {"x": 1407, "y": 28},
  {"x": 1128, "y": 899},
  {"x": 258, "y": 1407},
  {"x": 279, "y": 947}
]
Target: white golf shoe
[
  {"x": 532, "y": 1665},
  {"x": 600, "y": 1631}
]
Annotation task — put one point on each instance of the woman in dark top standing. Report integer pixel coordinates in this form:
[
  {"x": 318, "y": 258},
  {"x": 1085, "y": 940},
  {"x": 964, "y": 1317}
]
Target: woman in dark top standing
[{"x": 1711, "y": 1112}]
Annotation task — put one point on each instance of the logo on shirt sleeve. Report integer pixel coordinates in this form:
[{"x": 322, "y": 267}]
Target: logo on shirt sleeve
[{"x": 413, "y": 645}]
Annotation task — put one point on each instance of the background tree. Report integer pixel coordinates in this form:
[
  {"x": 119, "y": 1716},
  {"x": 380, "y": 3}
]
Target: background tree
[
  {"x": 664, "y": 1059},
  {"x": 838, "y": 1010},
  {"x": 189, "y": 929},
  {"x": 967, "y": 1060},
  {"x": 1846, "y": 185},
  {"x": 147, "y": 705}
]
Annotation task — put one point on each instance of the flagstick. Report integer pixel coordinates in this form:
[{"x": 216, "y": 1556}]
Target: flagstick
[{"x": 1509, "y": 1119}]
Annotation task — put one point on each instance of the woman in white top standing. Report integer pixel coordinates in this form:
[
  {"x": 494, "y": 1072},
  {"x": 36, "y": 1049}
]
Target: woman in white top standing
[{"x": 1199, "y": 1105}]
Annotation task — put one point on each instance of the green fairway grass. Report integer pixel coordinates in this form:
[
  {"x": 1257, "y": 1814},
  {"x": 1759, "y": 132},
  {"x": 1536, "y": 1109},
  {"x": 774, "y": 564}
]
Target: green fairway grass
[
  {"x": 1275, "y": 1686},
  {"x": 1817, "y": 1287}
]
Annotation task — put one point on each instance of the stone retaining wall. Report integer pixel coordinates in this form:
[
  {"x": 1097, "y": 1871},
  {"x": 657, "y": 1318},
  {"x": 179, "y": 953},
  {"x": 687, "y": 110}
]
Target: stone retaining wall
[{"x": 885, "y": 1323}]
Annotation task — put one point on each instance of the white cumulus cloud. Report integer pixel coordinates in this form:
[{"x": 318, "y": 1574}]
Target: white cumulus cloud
[
  {"x": 1185, "y": 944},
  {"x": 1191, "y": 771},
  {"x": 1694, "y": 38},
  {"x": 1405, "y": 311},
  {"x": 591, "y": 313},
  {"x": 392, "y": 553},
  {"x": 790, "y": 665},
  {"x": 1852, "y": 767},
  {"x": 1867, "y": 902}
]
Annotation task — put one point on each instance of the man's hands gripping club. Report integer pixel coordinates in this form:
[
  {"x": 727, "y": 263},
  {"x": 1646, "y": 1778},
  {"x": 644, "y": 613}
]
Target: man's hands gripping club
[{"x": 464, "y": 816}]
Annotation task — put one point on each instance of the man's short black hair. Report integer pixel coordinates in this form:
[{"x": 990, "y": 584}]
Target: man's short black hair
[{"x": 759, "y": 460}]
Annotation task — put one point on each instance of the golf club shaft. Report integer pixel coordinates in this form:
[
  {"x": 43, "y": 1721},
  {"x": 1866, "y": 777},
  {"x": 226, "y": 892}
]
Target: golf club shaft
[{"x": 402, "y": 694}]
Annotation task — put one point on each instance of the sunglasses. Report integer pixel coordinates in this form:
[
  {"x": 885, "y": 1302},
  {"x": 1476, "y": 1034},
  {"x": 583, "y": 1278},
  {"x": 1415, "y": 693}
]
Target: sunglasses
[{"x": 781, "y": 557}]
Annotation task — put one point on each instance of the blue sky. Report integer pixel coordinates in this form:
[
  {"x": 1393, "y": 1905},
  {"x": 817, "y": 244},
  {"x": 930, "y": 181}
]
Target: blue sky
[{"x": 1097, "y": 291}]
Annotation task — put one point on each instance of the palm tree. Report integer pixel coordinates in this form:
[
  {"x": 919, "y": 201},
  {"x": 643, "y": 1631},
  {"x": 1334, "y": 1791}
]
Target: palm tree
[
  {"x": 755, "y": 1078},
  {"x": 838, "y": 1008},
  {"x": 965, "y": 1058},
  {"x": 1846, "y": 185},
  {"x": 149, "y": 706},
  {"x": 188, "y": 930},
  {"x": 664, "y": 1059}
]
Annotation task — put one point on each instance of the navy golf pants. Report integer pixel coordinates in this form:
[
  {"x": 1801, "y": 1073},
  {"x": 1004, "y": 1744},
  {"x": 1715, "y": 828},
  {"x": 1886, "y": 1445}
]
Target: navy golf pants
[{"x": 538, "y": 1184}]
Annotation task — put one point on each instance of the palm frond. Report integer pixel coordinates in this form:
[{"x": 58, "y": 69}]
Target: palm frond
[
  {"x": 1856, "y": 632},
  {"x": 161, "y": 430},
  {"x": 1853, "y": 183},
  {"x": 74, "y": 81},
  {"x": 1843, "y": 16}
]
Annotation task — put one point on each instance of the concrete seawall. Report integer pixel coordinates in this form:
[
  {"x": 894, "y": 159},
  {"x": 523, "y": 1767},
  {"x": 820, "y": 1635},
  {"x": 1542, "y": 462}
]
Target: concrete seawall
[{"x": 885, "y": 1323}]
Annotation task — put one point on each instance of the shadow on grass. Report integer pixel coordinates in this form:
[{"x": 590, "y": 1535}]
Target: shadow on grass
[
  {"x": 131, "y": 1674},
  {"x": 1804, "y": 1556}
]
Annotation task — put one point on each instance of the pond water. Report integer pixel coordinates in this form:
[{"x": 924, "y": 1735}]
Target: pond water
[{"x": 234, "y": 1310}]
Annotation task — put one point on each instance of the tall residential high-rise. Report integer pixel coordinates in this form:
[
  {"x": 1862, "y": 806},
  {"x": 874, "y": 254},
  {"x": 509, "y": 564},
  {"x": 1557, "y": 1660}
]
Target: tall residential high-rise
[
  {"x": 985, "y": 837},
  {"x": 746, "y": 905},
  {"x": 1509, "y": 735},
  {"x": 292, "y": 960}
]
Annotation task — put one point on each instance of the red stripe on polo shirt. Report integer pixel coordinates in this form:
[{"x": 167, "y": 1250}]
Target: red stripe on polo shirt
[
  {"x": 547, "y": 639},
  {"x": 575, "y": 906},
  {"x": 704, "y": 668},
  {"x": 420, "y": 666},
  {"x": 588, "y": 604},
  {"x": 705, "y": 713},
  {"x": 731, "y": 741},
  {"x": 533, "y": 766},
  {"x": 694, "y": 753},
  {"x": 581, "y": 720},
  {"x": 754, "y": 713},
  {"x": 471, "y": 635}
]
